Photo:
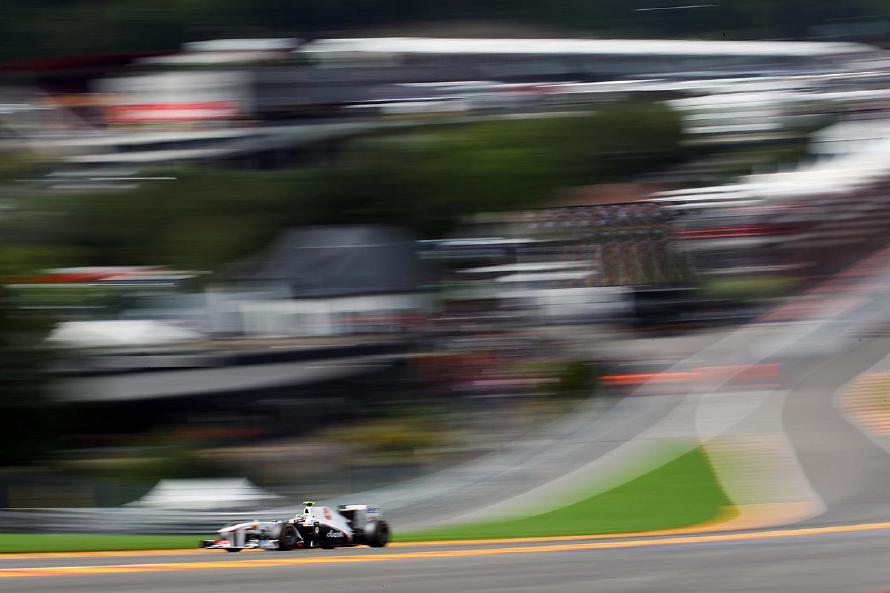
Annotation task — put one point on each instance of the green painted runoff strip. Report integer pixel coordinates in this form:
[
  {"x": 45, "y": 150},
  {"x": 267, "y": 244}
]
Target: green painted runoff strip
[{"x": 681, "y": 493}]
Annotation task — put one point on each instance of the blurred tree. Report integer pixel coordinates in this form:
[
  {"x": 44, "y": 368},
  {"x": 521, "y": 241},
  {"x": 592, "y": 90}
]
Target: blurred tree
[
  {"x": 576, "y": 379},
  {"x": 204, "y": 218},
  {"x": 31, "y": 419},
  {"x": 430, "y": 178},
  {"x": 15, "y": 164}
]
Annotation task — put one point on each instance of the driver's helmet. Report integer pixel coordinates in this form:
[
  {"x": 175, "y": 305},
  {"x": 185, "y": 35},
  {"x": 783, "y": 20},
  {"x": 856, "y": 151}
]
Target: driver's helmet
[{"x": 307, "y": 510}]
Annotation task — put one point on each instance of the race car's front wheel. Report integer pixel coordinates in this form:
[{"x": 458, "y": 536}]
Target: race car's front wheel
[
  {"x": 324, "y": 538},
  {"x": 288, "y": 537}
]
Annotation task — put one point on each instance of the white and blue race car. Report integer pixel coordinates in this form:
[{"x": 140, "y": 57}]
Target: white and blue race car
[{"x": 315, "y": 527}]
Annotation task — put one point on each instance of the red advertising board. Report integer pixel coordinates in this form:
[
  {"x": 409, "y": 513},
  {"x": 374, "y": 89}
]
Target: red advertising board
[{"x": 170, "y": 112}]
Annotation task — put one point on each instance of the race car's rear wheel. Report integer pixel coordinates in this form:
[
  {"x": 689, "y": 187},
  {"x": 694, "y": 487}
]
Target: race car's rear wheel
[
  {"x": 377, "y": 534},
  {"x": 288, "y": 537},
  {"x": 233, "y": 550}
]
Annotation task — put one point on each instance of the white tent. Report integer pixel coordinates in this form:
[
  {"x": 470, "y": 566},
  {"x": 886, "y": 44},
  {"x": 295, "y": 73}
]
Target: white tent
[
  {"x": 119, "y": 333},
  {"x": 205, "y": 494}
]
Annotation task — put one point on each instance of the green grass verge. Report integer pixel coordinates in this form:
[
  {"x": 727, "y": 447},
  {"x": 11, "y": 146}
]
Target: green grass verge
[
  {"x": 22, "y": 543},
  {"x": 681, "y": 493},
  {"x": 751, "y": 287}
]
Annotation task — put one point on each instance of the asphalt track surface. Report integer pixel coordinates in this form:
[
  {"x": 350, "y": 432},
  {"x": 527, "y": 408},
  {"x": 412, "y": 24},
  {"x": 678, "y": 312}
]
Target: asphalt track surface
[
  {"x": 849, "y": 471},
  {"x": 850, "y": 558}
]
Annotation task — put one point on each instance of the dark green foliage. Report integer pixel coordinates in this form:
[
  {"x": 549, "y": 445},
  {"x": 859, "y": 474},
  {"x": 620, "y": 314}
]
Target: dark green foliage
[
  {"x": 426, "y": 178},
  {"x": 577, "y": 379},
  {"x": 29, "y": 419}
]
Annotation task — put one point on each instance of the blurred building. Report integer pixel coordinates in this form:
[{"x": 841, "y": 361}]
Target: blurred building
[
  {"x": 799, "y": 224},
  {"x": 228, "y": 79},
  {"x": 581, "y": 260},
  {"x": 583, "y": 59},
  {"x": 60, "y": 90},
  {"x": 95, "y": 291},
  {"x": 332, "y": 281}
]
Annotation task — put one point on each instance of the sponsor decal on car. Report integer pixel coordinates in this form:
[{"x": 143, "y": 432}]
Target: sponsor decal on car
[{"x": 335, "y": 534}]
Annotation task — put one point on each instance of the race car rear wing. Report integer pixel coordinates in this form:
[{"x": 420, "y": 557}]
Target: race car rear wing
[{"x": 358, "y": 515}]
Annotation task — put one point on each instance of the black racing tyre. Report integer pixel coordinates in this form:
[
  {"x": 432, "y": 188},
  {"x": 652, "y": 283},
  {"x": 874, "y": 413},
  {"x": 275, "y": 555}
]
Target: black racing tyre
[
  {"x": 377, "y": 534},
  {"x": 288, "y": 537},
  {"x": 233, "y": 550},
  {"x": 323, "y": 540}
]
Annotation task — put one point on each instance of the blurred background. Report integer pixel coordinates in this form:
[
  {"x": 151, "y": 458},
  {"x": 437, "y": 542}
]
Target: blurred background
[{"x": 280, "y": 250}]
